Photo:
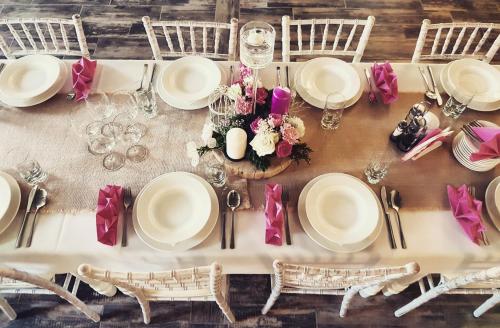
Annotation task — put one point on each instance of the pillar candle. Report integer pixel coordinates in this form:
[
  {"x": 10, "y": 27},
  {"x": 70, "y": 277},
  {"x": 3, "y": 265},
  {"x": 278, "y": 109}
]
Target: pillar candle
[
  {"x": 281, "y": 101},
  {"x": 236, "y": 143}
]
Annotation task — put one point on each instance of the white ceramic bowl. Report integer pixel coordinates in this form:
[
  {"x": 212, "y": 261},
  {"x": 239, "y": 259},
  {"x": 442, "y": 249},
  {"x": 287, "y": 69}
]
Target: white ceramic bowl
[
  {"x": 174, "y": 208},
  {"x": 190, "y": 78},
  {"x": 342, "y": 209}
]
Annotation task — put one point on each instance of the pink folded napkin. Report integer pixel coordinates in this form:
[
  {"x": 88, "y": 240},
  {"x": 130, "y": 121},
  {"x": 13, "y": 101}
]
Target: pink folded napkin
[
  {"x": 386, "y": 81},
  {"x": 83, "y": 72},
  {"x": 467, "y": 211},
  {"x": 490, "y": 148},
  {"x": 274, "y": 214},
  {"x": 109, "y": 206}
]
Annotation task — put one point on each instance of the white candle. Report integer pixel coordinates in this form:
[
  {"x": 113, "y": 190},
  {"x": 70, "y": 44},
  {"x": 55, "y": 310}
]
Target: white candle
[{"x": 236, "y": 143}]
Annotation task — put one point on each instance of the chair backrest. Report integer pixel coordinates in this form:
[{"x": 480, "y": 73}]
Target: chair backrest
[
  {"x": 178, "y": 46},
  {"x": 337, "y": 26},
  {"x": 476, "y": 34},
  {"x": 323, "y": 278},
  {"x": 162, "y": 285},
  {"x": 54, "y": 26}
]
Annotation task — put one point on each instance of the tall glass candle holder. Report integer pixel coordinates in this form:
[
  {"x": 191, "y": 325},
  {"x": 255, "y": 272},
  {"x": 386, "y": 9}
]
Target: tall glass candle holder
[{"x": 256, "y": 49}]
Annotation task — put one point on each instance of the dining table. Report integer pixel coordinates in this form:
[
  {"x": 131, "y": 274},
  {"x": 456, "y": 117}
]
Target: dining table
[{"x": 66, "y": 237}]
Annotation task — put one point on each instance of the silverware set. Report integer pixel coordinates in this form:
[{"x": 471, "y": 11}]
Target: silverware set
[
  {"x": 285, "y": 198},
  {"x": 467, "y": 129},
  {"x": 372, "y": 97},
  {"x": 127, "y": 202},
  {"x": 278, "y": 76},
  {"x": 392, "y": 201},
  {"x": 484, "y": 237},
  {"x": 233, "y": 202},
  {"x": 432, "y": 91},
  {"x": 144, "y": 71},
  {"x": 36, "y": 200}
]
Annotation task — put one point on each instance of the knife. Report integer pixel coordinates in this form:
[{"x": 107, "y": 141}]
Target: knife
[
  {"x": 223, "y": 224},
  {"x": 383, "y": 196},
  {"x": 436, "y": 90},
  {"x": 31, "y": 196}
]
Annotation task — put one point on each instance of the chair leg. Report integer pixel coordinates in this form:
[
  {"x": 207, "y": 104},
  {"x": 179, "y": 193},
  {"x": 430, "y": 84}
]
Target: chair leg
[
  {"x": 7, "y": 309},
  {"x": 346, "y": 300},
  {"x": 427, "y": 296},
  {"x": 275, "y": 293},
  {"x": 488, "y": 304}
]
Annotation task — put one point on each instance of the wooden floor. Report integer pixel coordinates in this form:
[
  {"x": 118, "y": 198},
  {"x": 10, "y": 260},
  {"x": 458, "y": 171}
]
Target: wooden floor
[
  {"x": 114, "y": 30},
  {"x": 247, "y": 297}
]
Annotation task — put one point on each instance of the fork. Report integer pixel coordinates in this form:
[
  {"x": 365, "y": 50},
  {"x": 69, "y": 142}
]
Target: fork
[
  {"x": 467, "y": 128},
  {"x": 127, "y": 201},
  {"x": 472, "y": 191},
  {"x": 285, "y": 197}
]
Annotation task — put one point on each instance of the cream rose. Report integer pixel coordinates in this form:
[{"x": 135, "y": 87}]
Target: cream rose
[
  {"x": 264, "y": 143},
  {"x": 298, "y": 124}
]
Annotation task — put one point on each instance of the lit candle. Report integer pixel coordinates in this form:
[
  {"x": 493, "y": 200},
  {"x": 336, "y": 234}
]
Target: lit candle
[
  {"x": 281, "y": 100},
  {"x": 236, "y": 143}
]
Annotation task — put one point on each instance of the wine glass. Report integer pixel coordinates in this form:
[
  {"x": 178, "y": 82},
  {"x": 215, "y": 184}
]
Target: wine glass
[{"x": 256, "y": 49}]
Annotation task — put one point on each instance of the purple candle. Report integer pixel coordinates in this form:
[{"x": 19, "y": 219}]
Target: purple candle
[{"x": 281, "y": 100}]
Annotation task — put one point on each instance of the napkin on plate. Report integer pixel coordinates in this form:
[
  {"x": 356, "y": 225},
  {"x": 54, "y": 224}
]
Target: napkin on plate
[
  {"x": 467, "y": 211},
  {"x": 83, "y": 72},
  {"x": 274, "y": 214},
  {"x": 386, "y": 81},
  {"x": 109, "y": 206},
  {"x": 490, "y": 148}
]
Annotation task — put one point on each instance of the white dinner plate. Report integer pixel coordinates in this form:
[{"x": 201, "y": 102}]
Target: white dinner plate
[
  {"x": 462, "y": 97},
  {"x": 189, "y": 243},
  {"x": 320, "y": 103},
  {"x": 173, "y": 208},
  {"x": 342, "y": 209},
  {"x": 176, "y": 103},
  {"x": 319, "y": 239},
  {"x": 51, "y": 92},
  {"x": 5, "y": 196},
  {"x": 15, "y": 201},
  {"x": 29, "y": 77},
  {"x": 491, "y": 198},
  {"x": 462, "y": 157}
]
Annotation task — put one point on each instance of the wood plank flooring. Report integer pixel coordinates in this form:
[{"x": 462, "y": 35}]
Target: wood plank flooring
[
  {"x": 114, "y": 30},
  {"x": 247, "y": 296}
]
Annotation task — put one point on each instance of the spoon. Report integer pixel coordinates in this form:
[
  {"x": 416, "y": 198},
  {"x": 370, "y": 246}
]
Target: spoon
[
  {"x": 39, "y": 202},
  {"x": 396, "y": 204},
  {"x": 428, "y": 93},
  {"x": 233, "y": 202}
]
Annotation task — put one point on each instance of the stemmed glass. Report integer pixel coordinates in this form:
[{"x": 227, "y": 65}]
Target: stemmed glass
[{"x": 256, "y": 49}]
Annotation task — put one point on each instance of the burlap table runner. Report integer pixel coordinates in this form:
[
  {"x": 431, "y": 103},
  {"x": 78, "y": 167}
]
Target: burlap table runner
[{"x": 46, "y": 134}]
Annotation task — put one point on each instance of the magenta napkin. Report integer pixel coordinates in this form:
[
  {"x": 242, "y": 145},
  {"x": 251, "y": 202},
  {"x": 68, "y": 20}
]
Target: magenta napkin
[
  {"x": 467, "y": 211},
  {"x": 109, "y": 206},
  {"x": 83, "y": 72},
  {"x": 274, "y": 214},
  {"x": 490, "y": 148},
  {"x": 386, "y": 81}
]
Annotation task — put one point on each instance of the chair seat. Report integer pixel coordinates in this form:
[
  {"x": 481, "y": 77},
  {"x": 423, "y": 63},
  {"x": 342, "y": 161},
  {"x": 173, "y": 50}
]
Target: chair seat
[{"x": 489, "y": 284}]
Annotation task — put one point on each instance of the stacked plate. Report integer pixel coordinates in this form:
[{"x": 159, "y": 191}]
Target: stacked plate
[
  {"x": 492, "y": 200},
  {"x": 186, "y": 83},
  {"x": 176, "y": 211},
  {"x": 31, "y": 80},
  {"x": 10, "y": 198},
  {"x": 340, "y": 213},
  {"x": 466, "y": 77},
  {"x": 319, "y": 77},
  {"x": 463, "y": 147}
]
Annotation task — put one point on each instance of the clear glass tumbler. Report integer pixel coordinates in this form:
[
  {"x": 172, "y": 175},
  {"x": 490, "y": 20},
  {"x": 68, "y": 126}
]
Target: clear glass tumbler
[
  {"x": 454, "y": 108},
  {"x": 332, "y": 112},
  {"x": 376, "y": 171},
  {"x": 146, "y": 102},
  {"x": 31, "y": 171},
  {"x": 215, "y": 170}
]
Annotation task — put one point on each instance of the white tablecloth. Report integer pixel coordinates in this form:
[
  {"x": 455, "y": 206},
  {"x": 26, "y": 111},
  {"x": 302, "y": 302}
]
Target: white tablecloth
[{"x": 63, "y": 241}]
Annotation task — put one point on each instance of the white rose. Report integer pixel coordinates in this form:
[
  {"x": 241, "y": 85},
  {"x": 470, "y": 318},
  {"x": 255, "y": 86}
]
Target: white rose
[
  {"x": 192, "y": 153},
  {"x": 248, "y": 80},
  {"x": 298, "y": 124},
  {"x": 206, "y": 133},
  {"x": 264, "y": 143},
  {"x": 212, "y": 143},
  {"x": 234, "y": 91}
]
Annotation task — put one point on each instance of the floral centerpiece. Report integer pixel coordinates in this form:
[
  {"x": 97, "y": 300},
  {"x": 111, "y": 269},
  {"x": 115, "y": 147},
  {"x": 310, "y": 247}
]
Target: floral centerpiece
[{"x": 269, "y": 134}]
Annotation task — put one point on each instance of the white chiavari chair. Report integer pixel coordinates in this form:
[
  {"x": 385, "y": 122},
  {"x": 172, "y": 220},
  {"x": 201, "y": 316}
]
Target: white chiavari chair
[
  {"x": 13, "y": 281},
  {"x": 304, "y": 279},
  {"x": 476, "y": 34},
  {"x": 19, "y": 28},
  {"x": 174, "y": 32},
  {"x": 486, "y": 282},
  {"x": 204, "y": 283},
  {"x": 337, "y": 26}
]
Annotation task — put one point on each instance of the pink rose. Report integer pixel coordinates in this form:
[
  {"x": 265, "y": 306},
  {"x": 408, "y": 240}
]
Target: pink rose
[
  {"x": 254, "y": 126},
  {"x": 245, "y": 72},
  {"x": 289, "y": 133},
  {"x": 283, "y": 149},
  {"x": 243, "y": 107},
  {"x": 275, "y": 120}
]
